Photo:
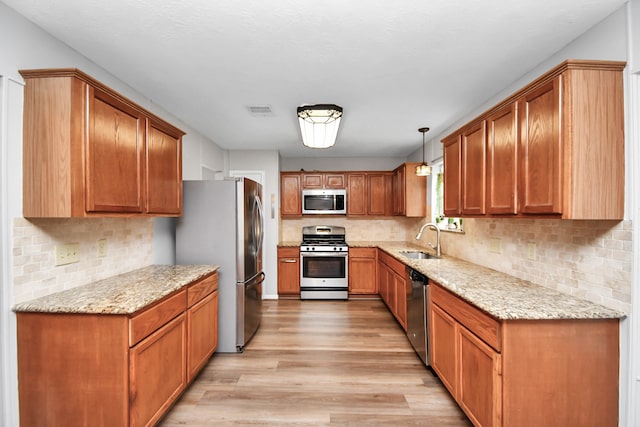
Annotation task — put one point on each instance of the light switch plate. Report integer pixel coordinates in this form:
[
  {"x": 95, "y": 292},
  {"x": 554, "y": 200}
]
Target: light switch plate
[
  {"x": 67, "y": 253},
  {"x": 531, "y": 251}
]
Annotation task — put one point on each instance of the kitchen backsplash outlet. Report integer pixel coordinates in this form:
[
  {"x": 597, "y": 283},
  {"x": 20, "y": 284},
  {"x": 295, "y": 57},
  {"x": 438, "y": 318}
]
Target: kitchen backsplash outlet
[
  {"x": 588, "y": 259},
  {"x": 34, "y": 252}
]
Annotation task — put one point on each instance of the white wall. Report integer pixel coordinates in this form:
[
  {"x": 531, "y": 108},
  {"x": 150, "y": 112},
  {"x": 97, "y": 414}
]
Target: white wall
[{"x": 268, "y": 162}]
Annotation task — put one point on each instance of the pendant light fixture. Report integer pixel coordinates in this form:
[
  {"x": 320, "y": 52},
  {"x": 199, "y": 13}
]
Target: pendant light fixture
[
  {"x": 424, "y": 169},
  {"x": 319, "y": 124}
]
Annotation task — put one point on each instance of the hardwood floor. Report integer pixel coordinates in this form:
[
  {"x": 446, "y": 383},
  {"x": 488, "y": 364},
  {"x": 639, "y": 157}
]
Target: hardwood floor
[{"x": 315, "y": 363}]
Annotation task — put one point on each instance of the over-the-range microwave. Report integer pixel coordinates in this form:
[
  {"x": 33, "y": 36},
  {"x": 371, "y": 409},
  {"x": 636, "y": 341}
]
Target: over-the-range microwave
[{"x": 324, "y": 202}]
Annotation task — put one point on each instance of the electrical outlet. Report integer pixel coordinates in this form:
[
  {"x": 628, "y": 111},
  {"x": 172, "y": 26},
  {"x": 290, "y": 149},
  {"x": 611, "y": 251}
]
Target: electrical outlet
[
  {"x": 495, "y": 246},
  {"x": 102, "y": 247},
  {"x": 531, "y": 251},
  {"x": 67, "y": 253}
]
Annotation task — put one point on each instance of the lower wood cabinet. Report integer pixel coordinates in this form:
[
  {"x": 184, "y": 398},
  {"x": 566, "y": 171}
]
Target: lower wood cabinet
[
  {"x": 363, "y": 279},
  {"x": 79, "y": 369},
  {"x": 393, "y": 285},
  {"x": 289, "y": 272},
  {"x": 157, "y": 372},
  {"x": 525, "y": 373}
]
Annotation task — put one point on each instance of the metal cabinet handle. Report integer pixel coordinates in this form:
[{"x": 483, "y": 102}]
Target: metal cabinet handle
[{"x": 291, "y": 260}]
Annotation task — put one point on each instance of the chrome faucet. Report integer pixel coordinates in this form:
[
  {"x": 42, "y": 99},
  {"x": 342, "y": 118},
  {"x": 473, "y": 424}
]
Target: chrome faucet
[{"x": 436, "y": 247}]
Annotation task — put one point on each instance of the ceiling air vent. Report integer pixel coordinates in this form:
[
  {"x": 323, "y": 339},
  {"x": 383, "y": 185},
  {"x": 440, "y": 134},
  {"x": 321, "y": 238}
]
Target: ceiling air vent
[{"x": 260, "y": 110}]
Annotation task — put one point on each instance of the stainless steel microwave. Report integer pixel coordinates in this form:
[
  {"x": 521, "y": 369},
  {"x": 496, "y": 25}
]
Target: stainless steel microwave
[{"x": 324, "y": 202}]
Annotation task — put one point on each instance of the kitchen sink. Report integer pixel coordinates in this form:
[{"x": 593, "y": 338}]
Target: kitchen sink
[{"x": 418, "y": 255}]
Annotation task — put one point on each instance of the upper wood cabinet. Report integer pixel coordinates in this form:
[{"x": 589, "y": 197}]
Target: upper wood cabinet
[
  {"x": 290, "y": 194},
  {"x": 323, "y": 180},
  {"x": 502, "y": 161},
  {"x": 369, "y": 193},
  {"x": 452, "y": 179},
  {"x": 474, "y": 155},
  {"x": 379, "y": 193},
  {"x": 88, "y": 151},
  {"x": 409, "y": 191},
  {"x": 555, "y": 148}
]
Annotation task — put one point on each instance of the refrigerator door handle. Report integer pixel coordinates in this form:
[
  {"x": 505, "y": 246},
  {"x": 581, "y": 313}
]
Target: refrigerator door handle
[{"x": 261, "y": 226}]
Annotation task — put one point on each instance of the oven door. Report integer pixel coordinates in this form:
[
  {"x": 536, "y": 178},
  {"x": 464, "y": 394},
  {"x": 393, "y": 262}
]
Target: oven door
[{"x": 321, "y": 270}]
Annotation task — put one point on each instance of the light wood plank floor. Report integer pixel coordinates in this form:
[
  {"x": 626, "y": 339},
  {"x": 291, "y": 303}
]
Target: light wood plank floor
[{"x": 315, "y": 363}]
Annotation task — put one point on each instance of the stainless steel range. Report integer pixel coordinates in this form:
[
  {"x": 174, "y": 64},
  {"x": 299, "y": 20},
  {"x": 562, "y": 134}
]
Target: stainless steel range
[{"x": 324, "y": 262}]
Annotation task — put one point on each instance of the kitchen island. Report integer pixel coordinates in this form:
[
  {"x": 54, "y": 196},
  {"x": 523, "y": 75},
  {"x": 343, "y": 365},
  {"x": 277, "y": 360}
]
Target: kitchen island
[{"x": 118, "y": 351}]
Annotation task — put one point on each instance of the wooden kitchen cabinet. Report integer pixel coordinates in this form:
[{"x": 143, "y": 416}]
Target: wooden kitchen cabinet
[
  {"x": 502, "y": 161},
  {"x": 157, "y": 372},
  {"x": 452, "y": 175},
  {"x": 393, "y": 286},
  {"x": 363, "y": 278},
  {"x": 163, "y": 169},
  {"x": 315, "y": 180},
  {"x": 369, "y": 193},
  {"x": 524, "y": 372},
  {"x": 289, "y": 271},
  {"x": 474, "y": 154},
  {"x": 202, "y": 324},
  {"x": 409, "y": 191},
  {"x": 114, "y": 369},
  {"x": 568, "y": 124},
  {"x": 290, "y": 194},
  {"x": 357, "y": 199},
  {"x": 379, "y": 193},
  {"x": 88, "y": 151}
]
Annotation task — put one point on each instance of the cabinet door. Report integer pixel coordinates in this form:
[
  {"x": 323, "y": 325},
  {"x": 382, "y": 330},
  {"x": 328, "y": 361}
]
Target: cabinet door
[
  {"x": 502, "y": 161},
  {"x": 399, "y": 203},
  {"x": 334, "y": 180},
  {"x": 288, "y": 271},
  {"x": 164, "y": 170},
  {"x": 452, "y": 179},
  {"x": 202, "y": 333},
  {"x": 114, "y": 155},
  {"x": 443, "y": 347},
  {"x": 362, "y": 271},
  {"x": 480, "y": 385},
  {"x": 290, "y": 195},
  {"x": 540, "y": 150},
  {"x": 157, "y": 372},
  {"x": 312, "y": 180},
  {"x": 379, "y": 194},
  {"x": 474, "y": 160},
  {"x": 356, "y": 194}
]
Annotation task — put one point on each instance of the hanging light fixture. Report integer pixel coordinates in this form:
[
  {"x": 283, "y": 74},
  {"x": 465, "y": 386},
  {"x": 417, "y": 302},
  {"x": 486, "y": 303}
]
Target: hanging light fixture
[
  {"x": 424, "y": 169},
  {"x": 319, "y": 124}
]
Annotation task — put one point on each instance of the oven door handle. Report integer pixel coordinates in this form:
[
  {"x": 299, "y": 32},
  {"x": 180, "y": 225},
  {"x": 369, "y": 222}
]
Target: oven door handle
[{"x": 324, "y": 254}]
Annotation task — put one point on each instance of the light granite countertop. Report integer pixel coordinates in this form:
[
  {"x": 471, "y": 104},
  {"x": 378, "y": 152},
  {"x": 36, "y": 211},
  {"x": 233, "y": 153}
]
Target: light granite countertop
[
  {"x": 501, "y": 295},
  {"x": 122, "y": 294}
]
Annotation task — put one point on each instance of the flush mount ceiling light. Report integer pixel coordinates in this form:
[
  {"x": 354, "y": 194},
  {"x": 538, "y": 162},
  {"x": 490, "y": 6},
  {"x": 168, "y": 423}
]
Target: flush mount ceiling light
[
  {"x": 424, "y": 169},
  {"x": 319, "y": 124}
]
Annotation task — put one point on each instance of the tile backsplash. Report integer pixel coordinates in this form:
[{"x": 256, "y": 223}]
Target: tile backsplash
[
  {"x": 129, "y": 246},
  {"x": 591, "y": 260},
  {"x": 381, "y": 229}
]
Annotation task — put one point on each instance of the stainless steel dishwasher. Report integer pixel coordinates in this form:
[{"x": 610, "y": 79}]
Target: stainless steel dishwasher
[{"x": 417, "y": 319}]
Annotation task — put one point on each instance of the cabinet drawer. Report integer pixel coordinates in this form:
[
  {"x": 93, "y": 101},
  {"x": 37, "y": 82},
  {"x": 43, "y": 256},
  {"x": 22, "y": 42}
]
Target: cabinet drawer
[
  {"x": 201, "y": 289},
  {"x": 362, "y": 253},
  {"x": 484, "y": 326},
  {"x": 143, "y": 324}
]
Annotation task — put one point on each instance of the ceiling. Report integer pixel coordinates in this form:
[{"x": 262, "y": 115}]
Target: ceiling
[{"x": 394, "y": 66}]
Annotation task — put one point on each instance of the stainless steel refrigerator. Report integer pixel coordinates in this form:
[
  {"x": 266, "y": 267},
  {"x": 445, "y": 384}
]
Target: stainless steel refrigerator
[{"x": 222, "y": 224}]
